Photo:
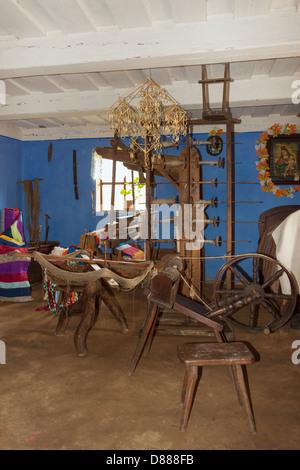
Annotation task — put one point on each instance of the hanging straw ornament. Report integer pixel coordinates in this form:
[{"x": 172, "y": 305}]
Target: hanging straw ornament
[{"x": 145, "y": 113}]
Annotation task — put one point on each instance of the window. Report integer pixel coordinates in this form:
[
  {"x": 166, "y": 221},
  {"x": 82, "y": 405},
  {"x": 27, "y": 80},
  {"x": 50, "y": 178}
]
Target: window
[{"x": 129, "y": 193}]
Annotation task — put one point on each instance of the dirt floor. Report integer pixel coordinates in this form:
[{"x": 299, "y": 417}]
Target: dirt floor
[{"x": 53, "y": 399}]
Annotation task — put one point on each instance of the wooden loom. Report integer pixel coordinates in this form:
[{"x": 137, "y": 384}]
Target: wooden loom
[{"x": 184, "y": 172}]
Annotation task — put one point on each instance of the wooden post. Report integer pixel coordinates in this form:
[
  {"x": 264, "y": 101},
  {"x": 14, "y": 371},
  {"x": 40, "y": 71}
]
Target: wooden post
[
  {"x": 229, "y": 244},
  {"x": 124, "y": 194},
  {"x": 148, "y": 254},
  {"x": 101, "y": 194},
  {"x": 133, "y": 191},
  {"x": 148, "y": 208},
  {"x": 38, "y": 239},
  {"x": 205, "y": 93},
  {"x": 184, "y": 198},
  {"x": 225, "y": 101},
  {"x": 113, "y": 185}
]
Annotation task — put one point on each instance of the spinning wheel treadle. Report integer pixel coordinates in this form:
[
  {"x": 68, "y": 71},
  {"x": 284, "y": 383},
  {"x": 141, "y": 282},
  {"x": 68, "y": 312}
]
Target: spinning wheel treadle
[{"x": 270, "y": 288}]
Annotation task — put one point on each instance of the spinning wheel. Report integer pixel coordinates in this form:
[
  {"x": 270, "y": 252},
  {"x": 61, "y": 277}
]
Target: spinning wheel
[
  {"x": 270, "y": 288},
  {"x": 261, "y": 285}
]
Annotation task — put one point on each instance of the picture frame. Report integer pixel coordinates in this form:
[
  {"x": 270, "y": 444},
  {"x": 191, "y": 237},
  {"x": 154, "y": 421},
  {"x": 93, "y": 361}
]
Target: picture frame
[
  {"x": 216, "y": 146},
  {"x": 284, "y": 159}
]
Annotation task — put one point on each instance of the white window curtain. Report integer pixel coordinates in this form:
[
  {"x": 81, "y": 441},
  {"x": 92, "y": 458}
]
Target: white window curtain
[{"x": 96, "y": 165}]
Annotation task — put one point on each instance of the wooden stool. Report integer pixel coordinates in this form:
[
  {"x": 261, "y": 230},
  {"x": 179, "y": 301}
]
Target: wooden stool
[{"x": 232, "y": 354}]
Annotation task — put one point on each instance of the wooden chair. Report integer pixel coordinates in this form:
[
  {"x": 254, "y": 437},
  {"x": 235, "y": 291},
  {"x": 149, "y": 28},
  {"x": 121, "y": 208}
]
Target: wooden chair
[{"x": 234, "y": 355}]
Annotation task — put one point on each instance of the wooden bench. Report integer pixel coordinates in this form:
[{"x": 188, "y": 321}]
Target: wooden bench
[
  {"x": 234, "y": 355},
  {"x": 187, "y": 307}
]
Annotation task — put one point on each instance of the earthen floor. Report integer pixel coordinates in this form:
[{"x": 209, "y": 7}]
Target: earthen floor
[{"x": 53, "y": 399}]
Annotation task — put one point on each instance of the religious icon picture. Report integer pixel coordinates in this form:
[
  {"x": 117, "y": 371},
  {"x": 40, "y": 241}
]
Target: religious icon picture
[{"x": 284, "y": 159}]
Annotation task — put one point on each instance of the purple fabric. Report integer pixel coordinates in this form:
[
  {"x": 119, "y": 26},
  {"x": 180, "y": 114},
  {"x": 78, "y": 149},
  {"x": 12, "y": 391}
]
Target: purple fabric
[
  {"x": 14, "y": 267},
  {"x": 10, "y": 216}
]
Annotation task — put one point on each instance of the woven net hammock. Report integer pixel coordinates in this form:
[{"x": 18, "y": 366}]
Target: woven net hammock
[{"x": 76, "y": 280}]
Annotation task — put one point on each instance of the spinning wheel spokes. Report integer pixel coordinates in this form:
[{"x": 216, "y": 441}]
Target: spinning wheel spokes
[
  {"x": 255, "y": 269},
  {"x": 271, "y": 288},
  {"x": 273, "y": 278},
  {"x": 241, "y": 276}
]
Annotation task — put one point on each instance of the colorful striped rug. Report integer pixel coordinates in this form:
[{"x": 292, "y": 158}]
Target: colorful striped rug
[{"x": 14, "y": 284}]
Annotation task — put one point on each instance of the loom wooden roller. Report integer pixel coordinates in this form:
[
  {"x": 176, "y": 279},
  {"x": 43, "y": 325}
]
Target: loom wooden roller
[
  {"x": 164, "y": 285},
  {"x": 164, "y": 201},
  {"x": 238, "y": 202},
  {"x": 200, "y": 142},
  {"x": 220, "y": 162},
  {"x": 171, "y": 241},
  {"x": 166, "y": 145},
  {"x": 214, "y": 202},
  {"x": 166, "y": 221},
  {"x": 173, "y": 163},
  {"x": 218, "y": 240},
  {"x": 240, "y": 222},
  {"x": 213, "y": 242},
  {"x": 210, "y": 202},
  {"x": 215, "y": 182},
  {"x": 168, "y": 163},
  {"x": 212, "y": 182},
  {"x": 215, "y": 221},
  {"x": 205, "y": 142}
]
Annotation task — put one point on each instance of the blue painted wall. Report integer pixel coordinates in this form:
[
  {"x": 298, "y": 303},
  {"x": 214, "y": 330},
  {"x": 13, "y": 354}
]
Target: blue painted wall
[
  {"x": 70, "y": 217},
  {"x": 244, "y": 171},
  {"x": 10, "y": 173}
]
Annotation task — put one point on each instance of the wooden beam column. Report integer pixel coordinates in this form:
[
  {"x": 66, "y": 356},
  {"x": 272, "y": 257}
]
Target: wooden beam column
[{"x": 229, "y": 244}]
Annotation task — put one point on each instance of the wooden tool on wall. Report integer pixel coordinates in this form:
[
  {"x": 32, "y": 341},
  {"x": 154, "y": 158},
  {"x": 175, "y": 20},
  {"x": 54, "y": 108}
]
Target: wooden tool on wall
[
  {"x": 75, "y": 175},
  {"x": 31, "y": 190},
  {"x": 50, "y": 152},
  {"x": 47, "y": 227}
]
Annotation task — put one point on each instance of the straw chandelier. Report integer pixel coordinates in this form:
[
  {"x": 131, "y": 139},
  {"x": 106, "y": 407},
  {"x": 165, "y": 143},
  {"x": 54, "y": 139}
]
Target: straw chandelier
[{"x": 145, "y": 113}]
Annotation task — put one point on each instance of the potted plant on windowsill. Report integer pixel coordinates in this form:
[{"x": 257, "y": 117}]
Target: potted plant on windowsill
[{"x": 129, "y": 192}]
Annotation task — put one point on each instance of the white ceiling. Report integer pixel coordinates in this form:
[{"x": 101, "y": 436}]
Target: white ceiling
[{"x": 63, "y": 63}]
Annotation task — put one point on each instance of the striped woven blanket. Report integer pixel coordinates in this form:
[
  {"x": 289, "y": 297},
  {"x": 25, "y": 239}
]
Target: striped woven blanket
[{"x": 14, "y": 284}]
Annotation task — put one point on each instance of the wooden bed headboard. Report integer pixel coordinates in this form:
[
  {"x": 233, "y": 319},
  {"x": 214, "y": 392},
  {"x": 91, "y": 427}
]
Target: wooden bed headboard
[{"x": 267, "y": 222}]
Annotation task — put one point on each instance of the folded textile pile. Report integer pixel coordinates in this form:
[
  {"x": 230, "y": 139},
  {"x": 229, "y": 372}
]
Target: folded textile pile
[{"x": 130, "y": 252}]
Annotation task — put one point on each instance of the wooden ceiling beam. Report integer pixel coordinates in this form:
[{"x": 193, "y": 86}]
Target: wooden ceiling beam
[
  {"x": 272, "y": 36},
  {"x": 258, "y": 91}
]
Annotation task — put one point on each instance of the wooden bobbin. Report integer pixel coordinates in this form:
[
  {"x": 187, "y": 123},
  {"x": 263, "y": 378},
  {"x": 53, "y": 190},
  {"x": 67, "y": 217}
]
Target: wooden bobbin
[
  {"x": 169, "y": 144},
  {"x": 172, "y": 163},
  {"x": 210, "y": 202},
  {"x": 164, "y": 201},
  {"x": 213, "y": 221},
  {"x": 213, "y": 242},
  {"x": 212, "y": 182},
  {"x": 201, "y": 142},
  {"x": 171, "y": 241},
  {"x": 220, "y": 162}
]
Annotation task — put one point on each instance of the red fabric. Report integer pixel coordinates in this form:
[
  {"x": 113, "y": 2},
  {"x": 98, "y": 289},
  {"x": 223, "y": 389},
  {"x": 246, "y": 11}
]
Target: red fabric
[
  {"x": 6, "y": 249},
  {"x": 18, "y": 277}
]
